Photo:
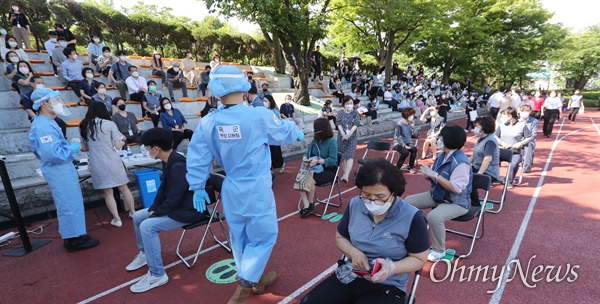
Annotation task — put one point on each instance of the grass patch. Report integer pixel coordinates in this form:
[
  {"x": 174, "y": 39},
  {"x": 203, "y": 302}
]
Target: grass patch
[{"x": 590, "y": 98}]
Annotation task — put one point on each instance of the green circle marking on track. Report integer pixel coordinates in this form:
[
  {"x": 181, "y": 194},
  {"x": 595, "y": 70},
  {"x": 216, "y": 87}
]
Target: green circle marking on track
[{"x": 222, "y": 272}]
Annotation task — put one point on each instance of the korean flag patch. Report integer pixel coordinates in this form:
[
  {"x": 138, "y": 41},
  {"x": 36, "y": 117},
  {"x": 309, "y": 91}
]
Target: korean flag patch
[{"x": 46, "y": 139}]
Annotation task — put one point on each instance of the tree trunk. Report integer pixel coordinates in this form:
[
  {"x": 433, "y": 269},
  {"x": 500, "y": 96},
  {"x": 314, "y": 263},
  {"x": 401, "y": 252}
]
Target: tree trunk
[
  {"x": 447, "y": 72},
  {"x": 278, "y": 59},
  {"x": 388, "y": 57}
]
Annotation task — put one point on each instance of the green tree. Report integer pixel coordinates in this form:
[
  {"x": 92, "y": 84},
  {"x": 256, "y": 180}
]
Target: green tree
[
  {"x": 379, "y": 27},
  {"x": 578, "y": 59},
  {"x": 298, "y": 24}
]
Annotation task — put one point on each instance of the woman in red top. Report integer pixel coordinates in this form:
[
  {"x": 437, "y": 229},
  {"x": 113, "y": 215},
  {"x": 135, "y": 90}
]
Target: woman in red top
[{"x": 538, "y": 101}]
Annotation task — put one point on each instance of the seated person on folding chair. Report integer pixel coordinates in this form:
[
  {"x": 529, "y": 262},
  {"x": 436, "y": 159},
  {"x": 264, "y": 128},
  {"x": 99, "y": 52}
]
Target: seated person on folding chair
[
  {"x": 399, "y": 243},
  {"x": 436, "y": 123},
  {"x": 451, "y": 178},
  {"x": 486, "y": 153},
  {"x": 322, "y": 150},
  {"x": 513, "y": 134},
  {"x": 403, "y": 139},
  {"x": 172, "y": 208},
  {"x": 528, "y": 150}
]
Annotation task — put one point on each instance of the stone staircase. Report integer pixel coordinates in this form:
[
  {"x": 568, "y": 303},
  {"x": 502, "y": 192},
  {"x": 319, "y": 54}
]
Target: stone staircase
[{"x": 33, "y": 193}]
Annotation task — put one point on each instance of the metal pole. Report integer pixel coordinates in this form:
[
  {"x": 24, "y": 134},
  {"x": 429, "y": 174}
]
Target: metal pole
[{"x": 16, "y": 211}]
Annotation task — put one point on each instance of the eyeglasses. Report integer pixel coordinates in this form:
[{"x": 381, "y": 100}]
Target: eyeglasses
[{"x": 377, "y": 202}]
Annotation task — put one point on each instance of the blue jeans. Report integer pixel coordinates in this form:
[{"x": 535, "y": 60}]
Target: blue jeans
[
  {"x": 146, "y": 236},
  {"x": 514, "y": 164}
]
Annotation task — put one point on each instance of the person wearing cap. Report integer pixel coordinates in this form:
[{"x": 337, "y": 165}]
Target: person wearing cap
[
  {"x": 204, "y": 79},
  {"x": 230, "y": 135},
  {"x": 175, "y": 79},
  {"x": 66, "y": 33},
  {"x": 56, "y": 163},
  {"x": 189, "y": 67}
]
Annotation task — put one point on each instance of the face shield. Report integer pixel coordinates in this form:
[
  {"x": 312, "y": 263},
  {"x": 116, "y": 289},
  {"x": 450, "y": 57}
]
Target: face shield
[{"x": 59, "y": 105}]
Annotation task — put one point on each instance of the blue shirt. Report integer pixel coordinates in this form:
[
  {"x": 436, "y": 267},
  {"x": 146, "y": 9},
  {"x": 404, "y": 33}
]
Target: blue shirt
[
  {"x": 72, "y": 70},
  {"x": 257, "y": 102},
  {"x": 152, "y": 101},
  {"x": 107, "y": 101},
  {"x": 88, "y": 88},
  {"x": 262, "y": 94},
  {"x": 95, "y": 50},
  {"x": 120, "y": 72},
  {"x": 168, "y": 122}
]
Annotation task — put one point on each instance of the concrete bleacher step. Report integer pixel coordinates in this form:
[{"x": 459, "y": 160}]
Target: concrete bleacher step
[{"x": 14, "y": 141}]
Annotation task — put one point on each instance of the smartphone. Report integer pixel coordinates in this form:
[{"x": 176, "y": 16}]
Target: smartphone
[{"x": 364, "y": 272}]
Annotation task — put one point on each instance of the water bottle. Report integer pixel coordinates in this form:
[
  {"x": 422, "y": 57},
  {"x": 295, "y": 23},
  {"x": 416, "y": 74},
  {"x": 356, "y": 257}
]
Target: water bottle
[
  {"x": 123, "y": 154},
  {"x": 129, "y": 153},
  {"x": 144, "y": 151}
]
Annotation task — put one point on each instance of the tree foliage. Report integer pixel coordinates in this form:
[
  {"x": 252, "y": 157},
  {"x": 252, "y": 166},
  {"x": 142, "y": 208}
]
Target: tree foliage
[{"x": 578, "y": 58}]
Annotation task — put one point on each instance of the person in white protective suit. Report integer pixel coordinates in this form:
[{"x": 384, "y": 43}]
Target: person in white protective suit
[
  {"x": 56, "y": 163},
  {"x": 238, "y": 137}
]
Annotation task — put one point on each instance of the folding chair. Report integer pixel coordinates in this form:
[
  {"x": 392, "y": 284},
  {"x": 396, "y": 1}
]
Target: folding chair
[
  {"x": 483, "y": 182},
  {"x": 505, "y": 156},
  {"x": 215, "y": 184},
  {"x": 333, "y": 183},
  {"x": 377, "y": 146},
  {"x": 410, "y": 296}
]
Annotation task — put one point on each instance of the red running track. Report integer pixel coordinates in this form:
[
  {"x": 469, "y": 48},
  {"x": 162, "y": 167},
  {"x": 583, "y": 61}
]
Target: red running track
[{"x": 557, "y": 224}]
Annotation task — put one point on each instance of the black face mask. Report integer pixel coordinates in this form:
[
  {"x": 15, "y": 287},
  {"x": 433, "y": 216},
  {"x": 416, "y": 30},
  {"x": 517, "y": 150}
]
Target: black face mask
[
  {"x": 122, "y": 107},
  {"x": 264, "y": 90}
]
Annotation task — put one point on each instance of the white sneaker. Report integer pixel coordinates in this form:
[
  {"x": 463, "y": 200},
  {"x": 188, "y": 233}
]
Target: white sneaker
[
  {"x": 435, "y": 256},
  {"x": 282, "y": 169},
  {"x": 116, "y": 223},
  {"x": 138, "y": 262},
  {"x": 148, "y": 282}
]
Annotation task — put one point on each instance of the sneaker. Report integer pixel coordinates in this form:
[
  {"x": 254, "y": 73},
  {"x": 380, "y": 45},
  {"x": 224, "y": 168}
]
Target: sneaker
[
  {"x": 148, "y": 282},
  {"x": 435, "y": 256},
  {"x": 466, "y": 131},
  {"x": 527, "y": 169},
  {"x": 138, "y": 262},
  {"x": 116, "y": 223},
  {"x": 172, "y": 100},
  {"x": 510, "y": 186},
  {"x": 80, "y": 243},
  {"x": 282, "y": 168},
  {"x": 412, "y": 171}
]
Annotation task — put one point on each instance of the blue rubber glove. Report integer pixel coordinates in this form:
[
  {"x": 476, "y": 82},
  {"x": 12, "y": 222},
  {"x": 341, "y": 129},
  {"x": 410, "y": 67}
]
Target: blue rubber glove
[
  {"x": 200, "y": 200},
  {"x": 301, "y": 136},
  {"x": 75, "y": 147}
]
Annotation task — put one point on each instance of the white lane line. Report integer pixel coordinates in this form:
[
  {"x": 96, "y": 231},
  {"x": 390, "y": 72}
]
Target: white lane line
[
  {"x": 308, "y": 285},
  {"x": 595, "y": 126},
  {"x": 497, "y": 296},
  {"x": 109, "y": 291}
]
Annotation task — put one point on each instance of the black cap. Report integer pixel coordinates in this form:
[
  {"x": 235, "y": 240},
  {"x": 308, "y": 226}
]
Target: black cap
[
  {"x": 58, "y": 24},
  {"x": 52, "y": 33}
]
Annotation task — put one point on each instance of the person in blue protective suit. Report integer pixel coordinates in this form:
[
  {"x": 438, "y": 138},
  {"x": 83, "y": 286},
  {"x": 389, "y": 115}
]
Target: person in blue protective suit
[
  {"x": 56, "y": 163},
  {"x": 230, "y": 135}
]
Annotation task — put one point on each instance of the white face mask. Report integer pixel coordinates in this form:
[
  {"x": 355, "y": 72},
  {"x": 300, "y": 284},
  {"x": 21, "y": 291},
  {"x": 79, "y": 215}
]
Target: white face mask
[
  {"x": 107, "y": 54},
  {"x": 135, "y": 74},
  {"x": 472, "y": 98},
  {"x": 58, "y": 109},
  {"x": 504, "y": 119},
  {"x": 477, "y": 131},
  {"x": 524, "y": 115},
  {"x": 12, "y": 44},
  {"x": 23, "y": 70},
  {"x": 440, "y": 144},
  {"x": 176, "y": 69},
  {"x": 266, "y": 103},
  {"x": 14, "y": 59},
  {"x": 15, "y": 8},
  {"x": 349, "y": 107},
  {"x": 432, "y": 113},
  {"x": 53, "y": 39},
  {"x": 377, "y": 209},
  {"x": 40, "y": 86},
  {"x": 102, "y": 91},
  {"x": 62, "y": 44},
  {"x": 75, "y": 57},
  {"x": 411, "y": 118},
  {"x": 157, "y": 56},
  {"x": 96, "y": 40},
  {"x": 288, "y": 100},
  {"x": 153, "y": 156},
  {"x": 89, "y": 75},
  {"x": 167, "y": 107},
  {"x": 122, "y": 58}
]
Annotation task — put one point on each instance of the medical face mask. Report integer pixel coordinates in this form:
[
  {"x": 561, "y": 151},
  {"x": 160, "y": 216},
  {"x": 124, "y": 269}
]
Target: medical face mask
[
  {"x": 89, "y": 75},
  {"x": 477, "y": 131},
  {"x": 504, "y": 119},
  {"x": 102, "y": 91},
  {"x": 53, "y": 39},
  {"x": 40, "y": 86},
  {"x": 440, "y": 144},
  {"x": 135, "y": 74},
  {"x": 152, "y": 88},
  {"x": 58, "y": 109},
  {"x": 176, "y": 69},
  {"x": 377, "y": 207},
  {"x": 23, "y": 70},
  {"x": 152, "y": 156},
  {"x": 411, "y": 118},
  {"x": 266, "y": 103},
  {"x": 12, "y": 44},
  {"x": 15, "y": 8},
  {"x": 432, "y": 113},
  {"x": 167, "y": 106},
  {"x": 524, "y": 115},
  {"x": 472, "y": 98},
  {"x": 122, "y": 58},
  {"x": 96, "y": 40},
  {"x": 107, "y": 54},
  {"x": 3, "y": 32},
  {"x": 14, "y": 59},
  {"x": 75, "y": 57},
  {"x": 122, "y": 107},
  {"x": 349, "y": 107},
  {"x": 62, "y": 44}
]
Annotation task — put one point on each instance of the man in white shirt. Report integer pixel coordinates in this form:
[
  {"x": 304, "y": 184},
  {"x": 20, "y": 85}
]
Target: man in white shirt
[
  {"x": 50, "y": 45},
  {"x": 136, "y": 85},
  {"x": 516, "y": 99},
  {"x": 494, "y": 102}
]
